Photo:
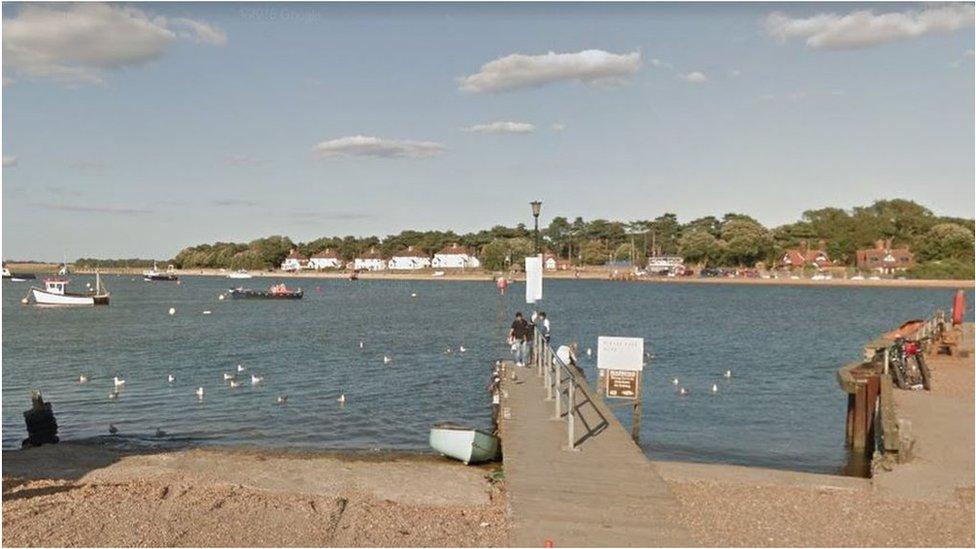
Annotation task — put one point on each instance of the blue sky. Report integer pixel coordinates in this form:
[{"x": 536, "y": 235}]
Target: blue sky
[{"x": 176, "y": 124}]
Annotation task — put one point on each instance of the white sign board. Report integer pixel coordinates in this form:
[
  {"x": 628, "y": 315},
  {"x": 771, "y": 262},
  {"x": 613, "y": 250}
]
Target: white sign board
[
  {"x": 533, "y": 279},
  {"x": 620, "y": 353}
]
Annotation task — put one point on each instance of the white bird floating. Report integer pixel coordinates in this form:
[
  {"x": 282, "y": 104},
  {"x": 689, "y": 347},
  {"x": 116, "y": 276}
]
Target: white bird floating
[
  {"x": 234, "y": 384},
  {"x": 172, "y": 311},
  {"x": 118, "y": 382},
  {"x": 220, "y": 297},
  {"x": 206, "y": 312},
  {"x": 413, "y": 294},
  {"x": 171, "y": 378},
  {"x": 462, "y": 348},
  {"x": 674, "y": 381},
  {"x": 714, "y": 388},
  {"x": 387, "y": 360},
  {"x": 728, "y": 374},
  {"x": 589, "y": 351},
  {"x": 256, "y": 379},
  {"x": 360, "y": 344},
  {"x": 112, "y": 429},
  {"x": 82, "y": 379},
  {"x": 199, "y": 392},
  {"x": 240, "y": 367},
  {"x": 113, "y": 395},
  {"x": 342, "y": 398},
  {"x": 282, "y": 399},
  {"x": 683, "y": 392},
  {"x": 228, "y": 376}
]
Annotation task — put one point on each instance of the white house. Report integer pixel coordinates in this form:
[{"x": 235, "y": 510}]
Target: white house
[
  {"x": 455, "y": 257},
  {"x": 294, "y": 262},
  {"x": 410, "y": 259},
  {"x": 370, "y": 261},
  {"x": 326, "y": 259}
]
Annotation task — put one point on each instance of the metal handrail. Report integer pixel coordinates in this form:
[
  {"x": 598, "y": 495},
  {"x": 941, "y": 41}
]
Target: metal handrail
[{"x": 551, "y": 368}]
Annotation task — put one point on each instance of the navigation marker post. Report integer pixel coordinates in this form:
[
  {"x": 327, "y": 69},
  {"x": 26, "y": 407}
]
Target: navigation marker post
[{"x": 620, "y": 361}]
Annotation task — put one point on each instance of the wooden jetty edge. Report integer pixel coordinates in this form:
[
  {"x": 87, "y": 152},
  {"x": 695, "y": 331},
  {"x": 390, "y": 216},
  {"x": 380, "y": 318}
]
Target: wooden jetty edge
[{"x": 579, "y": 479}]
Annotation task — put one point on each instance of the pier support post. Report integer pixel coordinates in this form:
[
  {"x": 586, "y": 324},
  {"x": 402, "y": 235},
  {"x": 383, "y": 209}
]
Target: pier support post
[
  {"x": 546, "y": 366},
  {"x": 570, "y": 418}
]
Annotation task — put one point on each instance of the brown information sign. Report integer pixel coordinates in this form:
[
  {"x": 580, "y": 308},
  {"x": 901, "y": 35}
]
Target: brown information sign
[{"x": 622, "y": 383}]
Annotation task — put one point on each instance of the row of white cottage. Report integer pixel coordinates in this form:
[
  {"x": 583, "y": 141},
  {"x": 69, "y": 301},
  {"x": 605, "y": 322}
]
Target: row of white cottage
[{"x": 411, "y": 259}]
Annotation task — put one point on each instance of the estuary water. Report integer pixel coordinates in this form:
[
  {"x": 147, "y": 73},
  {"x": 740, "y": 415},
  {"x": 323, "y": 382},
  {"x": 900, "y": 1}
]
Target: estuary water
[{"x": 781, "y": 408}]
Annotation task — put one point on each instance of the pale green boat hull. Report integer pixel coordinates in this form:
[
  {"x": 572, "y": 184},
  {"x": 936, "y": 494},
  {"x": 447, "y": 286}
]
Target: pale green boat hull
[{"x": 464, "y": 444}]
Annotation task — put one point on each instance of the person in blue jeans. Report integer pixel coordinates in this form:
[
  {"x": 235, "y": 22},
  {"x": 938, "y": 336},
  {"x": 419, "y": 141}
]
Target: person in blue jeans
[{"x": 519, "y": 337}]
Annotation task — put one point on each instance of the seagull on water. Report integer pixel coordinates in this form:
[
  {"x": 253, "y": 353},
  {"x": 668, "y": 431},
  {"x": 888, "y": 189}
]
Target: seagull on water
[
  {"x": 674, "y": 381},
  {"x": 112, "y": 429},
  {"x": 728, "y": 374},
  {"x": 683, "y": 392},
  {"x": 589, "y": 351},
  {"x": 234, "y": 384},
  {"x": 82, "y": 379},
  {"x": 714, "y": 388},
  {"x": 462, "y": 348},
  {"x": 360, "y": 344},
  {"x": 448, "y": 351},
  {"x": 240, "y": 367},
  {"x": 118, "y": 382},
  {"x": 199, "y": 393},
  {"x": 413, "y": 294},
  {"x": 113, "y": 395},
  {"x": 282, "y": 399},
  {"x": 342, "y": 398},
  {"x": 256, "y": 379},
  {"x": 387, "y": 359},
  {"x": 228, "y": 376},
  {"x": 171, "y": 378}
]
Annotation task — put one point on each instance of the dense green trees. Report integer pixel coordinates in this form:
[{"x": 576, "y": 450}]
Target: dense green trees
[{"x": 732, "y": 240}]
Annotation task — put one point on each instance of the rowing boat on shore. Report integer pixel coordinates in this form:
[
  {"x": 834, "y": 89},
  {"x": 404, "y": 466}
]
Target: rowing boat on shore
[{"x": 464, "y": 443}]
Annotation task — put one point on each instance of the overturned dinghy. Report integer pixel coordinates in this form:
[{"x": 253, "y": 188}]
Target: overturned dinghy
[{"x": 464, "y": 443}]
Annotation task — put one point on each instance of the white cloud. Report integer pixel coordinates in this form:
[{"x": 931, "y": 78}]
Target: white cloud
[
  {"x": 361, "y": 145},
  {"x": 75, "y": 43},
  {"x": 861, "y": 29},
  {"x": 558, "y": 126},
  {"x": 9, "y": 161},
  {"x": 694, "y": 77},
  {"x": 660, "y": 64},
  {"x": 528, "y": 71},
  {"x": 501, "y": 127}
]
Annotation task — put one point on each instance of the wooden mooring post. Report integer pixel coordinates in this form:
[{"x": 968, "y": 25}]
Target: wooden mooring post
[{"x": 861, "y": 408}]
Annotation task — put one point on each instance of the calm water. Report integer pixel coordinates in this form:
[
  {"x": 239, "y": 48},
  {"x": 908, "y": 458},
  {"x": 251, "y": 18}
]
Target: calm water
[{"x": 782, "y": 408}]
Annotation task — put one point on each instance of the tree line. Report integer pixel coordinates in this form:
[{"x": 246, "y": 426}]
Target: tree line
[{"x": 943, "y": 245}]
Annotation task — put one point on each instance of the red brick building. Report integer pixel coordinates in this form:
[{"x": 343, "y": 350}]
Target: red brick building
[
  {"x": 798, "y": 258},
  {"x": 885, "y": 258}
]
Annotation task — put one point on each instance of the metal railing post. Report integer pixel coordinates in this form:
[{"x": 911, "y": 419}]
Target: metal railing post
[
  {"x": 546, "y": 363},
  {"x": 559, "y": 390},
  {"x": 570, "y": 419},
  {"x": 535, "y": 352}
]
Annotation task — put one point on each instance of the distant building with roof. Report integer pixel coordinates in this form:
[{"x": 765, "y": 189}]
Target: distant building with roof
[
  {"x": 455, "y": 257},
  {"x": 410, "y": 259},
  {"x": 370, "y": 261},
  {"x": 803, "y": 256},
  {"x": 885, "y": 258},
  {"x": 294, "y": 262},
  {"x": 325, "y": 259}
]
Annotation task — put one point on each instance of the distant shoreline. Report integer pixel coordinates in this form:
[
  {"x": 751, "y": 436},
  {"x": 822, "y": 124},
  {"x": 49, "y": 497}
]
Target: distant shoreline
[{"x": 584, "y": 274}]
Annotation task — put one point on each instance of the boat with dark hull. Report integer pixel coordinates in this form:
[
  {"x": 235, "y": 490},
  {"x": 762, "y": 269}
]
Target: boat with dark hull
[
  {"x": 278, "y": 291},
  {"x": 17, "y": 277},
  {"x": 155, "y": 275}
]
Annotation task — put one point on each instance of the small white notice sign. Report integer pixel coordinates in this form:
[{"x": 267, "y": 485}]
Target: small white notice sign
[{"x": 620, "y": 353}]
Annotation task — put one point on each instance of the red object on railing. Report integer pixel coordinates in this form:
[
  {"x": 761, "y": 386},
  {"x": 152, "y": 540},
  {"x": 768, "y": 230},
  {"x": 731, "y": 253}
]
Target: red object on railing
[
  {"x": 501, "y": 284},
  {"x": 958, "y": 307}
]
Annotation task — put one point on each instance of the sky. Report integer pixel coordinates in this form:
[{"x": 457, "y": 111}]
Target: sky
[{"x": 134, "y": 130}]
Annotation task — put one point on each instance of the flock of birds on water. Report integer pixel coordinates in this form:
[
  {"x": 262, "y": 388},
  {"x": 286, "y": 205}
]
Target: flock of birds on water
[{"x": 679, "y": 388}]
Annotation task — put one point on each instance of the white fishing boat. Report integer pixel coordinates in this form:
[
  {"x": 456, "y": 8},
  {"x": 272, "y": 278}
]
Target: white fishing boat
[
  {"x": 155, "y": 275},
  {"x": 240, "y": 274},
  {"x": 464, "y": 443},
  {"x": 55, "y": 293}
]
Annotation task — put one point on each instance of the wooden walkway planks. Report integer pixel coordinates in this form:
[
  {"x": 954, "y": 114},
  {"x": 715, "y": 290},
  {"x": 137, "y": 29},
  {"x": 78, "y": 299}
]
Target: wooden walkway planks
[{"x": 606, "y": 494}]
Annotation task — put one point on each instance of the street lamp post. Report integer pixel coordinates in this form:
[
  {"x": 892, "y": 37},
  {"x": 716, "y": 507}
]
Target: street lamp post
[{"x": 536, "y": 208}]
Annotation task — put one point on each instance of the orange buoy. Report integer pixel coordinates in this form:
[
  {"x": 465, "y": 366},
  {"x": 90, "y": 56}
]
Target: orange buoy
[
  {"x": 501, "y": 284},
  {"x": 958, "y": 307}
]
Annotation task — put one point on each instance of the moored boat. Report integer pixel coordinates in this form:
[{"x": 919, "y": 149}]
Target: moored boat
[
  {"x": 155, "y": 275},
  {"x": 277, "y": 291},
  {"x": 55, "y": 293},
  {"x": 464, "y": 443},
  {"x": 17, "y": 277}
]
